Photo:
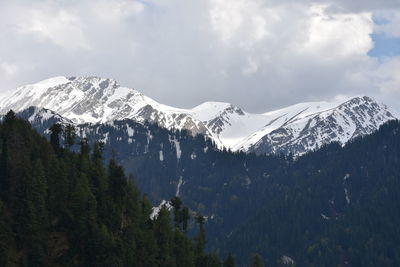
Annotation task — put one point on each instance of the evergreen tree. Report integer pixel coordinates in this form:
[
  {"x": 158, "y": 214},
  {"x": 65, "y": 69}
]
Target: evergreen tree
[
  {"x": 85, "y": 148},
  {"x": 164, "y": 238},
  {"x": 257, "y": 261},
  {"x": 201, "y": 258},
  {"x": 10, "y": 117},
  {"x": 229, "y": 261},
  {"x": 185, "y": 217},
  {"x": 55, "y": 130},
  {"x": 177, "y": 204},
  {"x": 69, "y": 135},
  {"x": 67, "y": 209}
]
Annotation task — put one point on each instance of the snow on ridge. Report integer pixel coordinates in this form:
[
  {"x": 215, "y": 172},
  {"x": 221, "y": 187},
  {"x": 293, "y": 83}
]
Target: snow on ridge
[
  {"x": 356, "y": 117},
  {"x": 97, "y": 100},
  {"x": 156, "y": 210},
  {"x": 208, "y": 110}
]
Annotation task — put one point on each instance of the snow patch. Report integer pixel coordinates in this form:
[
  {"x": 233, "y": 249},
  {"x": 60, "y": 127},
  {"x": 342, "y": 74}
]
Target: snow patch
[
  {"x": 177, "y": 148},
  {"x": 156, "y": 210},
  {"x": 178, "y": 188},
  {"x": 347, "y": 196},
  {"x": 105, "y": 137},
  {"x": 324, "y": 216},
  {"x": 130, "y": 130},
  {"x": 286, "y": 260}
]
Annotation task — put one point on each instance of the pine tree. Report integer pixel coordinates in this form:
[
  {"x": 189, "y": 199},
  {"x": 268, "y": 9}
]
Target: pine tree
[
  {"x": 99, "y": 179},
  {"x": 164, "y": 238},
  {"x": 69, "y": 135},
  {"x": 51, "y": 216},
  {"x": 185, "y": 217},
  {"x": 4, "y": 180},
  {"x": 183, "y": 250},
  {"x": 39, "y": 192},
  {"x": 201, "y": 236},
  {"x": 55, "y": 130},
  {"x": 229, "y": 261},
  {"x": 10, "y": 117},
  {"x": 5, "y": 235},
  {"x": 257, "y": 261},
  {"x": 177, "y": 204},
  {"x": 85, "y": 148}
]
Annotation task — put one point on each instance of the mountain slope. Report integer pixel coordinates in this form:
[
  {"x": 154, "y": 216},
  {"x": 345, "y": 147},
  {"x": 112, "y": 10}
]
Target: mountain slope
[
  {"x": 295, "y": 129},
  {"x": 231, "y": 188},
  {"x": 307, "y": 131},
  {"x": 98, "y": 100},
  {"x": 59, "y": 208},
  {"x": 340, "y": 208}
]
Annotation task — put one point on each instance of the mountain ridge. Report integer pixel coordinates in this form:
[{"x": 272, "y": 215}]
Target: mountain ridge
[{"x": 98, "y": 100}]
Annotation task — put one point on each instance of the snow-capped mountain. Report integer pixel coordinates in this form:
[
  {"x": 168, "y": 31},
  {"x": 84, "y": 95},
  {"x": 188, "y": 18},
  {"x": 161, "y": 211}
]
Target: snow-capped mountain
[
  {"x": 98, "y": 100},
  {"x": 310, "y": 129},
  {"x": 296, "y": 129}
]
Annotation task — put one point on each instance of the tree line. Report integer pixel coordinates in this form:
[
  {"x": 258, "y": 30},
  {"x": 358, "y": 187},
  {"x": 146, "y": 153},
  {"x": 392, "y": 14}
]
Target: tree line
[{"x": 65, "y": 208}]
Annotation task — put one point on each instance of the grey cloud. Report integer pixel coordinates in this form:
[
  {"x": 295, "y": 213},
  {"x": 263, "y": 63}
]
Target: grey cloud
[{"x": 171, "y": 50}]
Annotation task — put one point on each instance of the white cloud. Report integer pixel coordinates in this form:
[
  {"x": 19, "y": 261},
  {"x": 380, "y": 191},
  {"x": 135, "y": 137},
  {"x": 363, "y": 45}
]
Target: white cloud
[
  {"x": 343, "y": 35},
  {"x": 227, "y": 17},
  {"x": 255, "y": 53},
  {"x": 59, "y": 26},
  {"x": 8, "y": 69},
  {"x": 117, "y": 10}
]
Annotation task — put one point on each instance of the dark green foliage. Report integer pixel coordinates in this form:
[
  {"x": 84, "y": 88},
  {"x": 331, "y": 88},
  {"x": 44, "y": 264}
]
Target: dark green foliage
[
  {"x": 257, "y": 261},
  {"x": 201, "y": 236},
  {"x": 55, "y": 130},
  {"x": 60, "y": 208},
  {"x": 229, "y": 261},
  {"x": 10, "y": 117},
  {"x": 340, "y": 207},
  {"x": 281, "y": 208},
  {"x": 69, "y": 135},
  {"x": 185, "y": 216},
  {"x": 177, "y": 204},
  {"x": 181, "y": 214}
]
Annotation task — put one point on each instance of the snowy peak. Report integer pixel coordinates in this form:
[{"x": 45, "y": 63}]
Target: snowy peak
[
  {"x": 294, "y": 129},
  {"x": 211, "y": 110},
  {"x": 81, "y": 99},
  {"x": 99, "y": 100},
  {"x": 78, "y": 98},
  {"x": 356, "y": 117}
]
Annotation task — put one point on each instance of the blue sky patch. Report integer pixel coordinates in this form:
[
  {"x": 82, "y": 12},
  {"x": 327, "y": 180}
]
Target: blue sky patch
[{"x": 384, "y": 46}]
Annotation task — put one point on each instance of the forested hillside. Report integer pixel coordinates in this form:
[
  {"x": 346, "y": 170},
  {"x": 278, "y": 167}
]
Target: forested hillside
[
  {"x": 341, "y": 208},
  {"x": 60, "y": 208},
  {"x": 336, "y": 206}
]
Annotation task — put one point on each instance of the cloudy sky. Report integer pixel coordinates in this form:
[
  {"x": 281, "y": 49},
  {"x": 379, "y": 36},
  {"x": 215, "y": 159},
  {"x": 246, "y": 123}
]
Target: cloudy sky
[{"x": 258, "y": 54}]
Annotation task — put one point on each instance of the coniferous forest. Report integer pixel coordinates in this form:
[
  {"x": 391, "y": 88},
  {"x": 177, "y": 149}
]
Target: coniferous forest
[
  {"x": 60, "y": 208},
  {"x": 66, "y": 201},
  {"x": 208, "y": 133}
]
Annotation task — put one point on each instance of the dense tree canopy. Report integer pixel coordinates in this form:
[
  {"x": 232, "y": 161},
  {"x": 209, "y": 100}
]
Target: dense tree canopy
[{"x": 60, "y": 208}]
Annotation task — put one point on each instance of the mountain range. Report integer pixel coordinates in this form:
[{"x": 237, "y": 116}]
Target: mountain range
[
  {"x": 328, "y": 207},
  {"x": 295, "y": 129},
  {"x": 335, "y": 206}
]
